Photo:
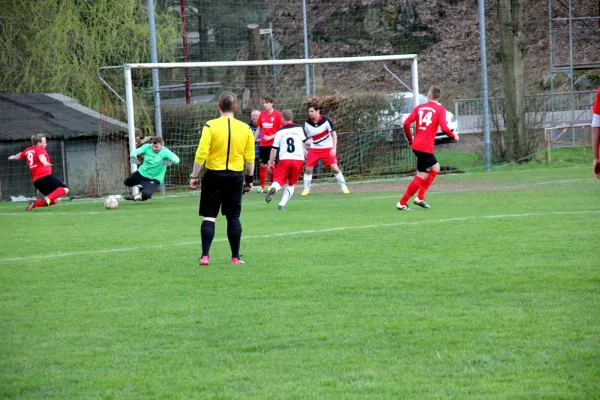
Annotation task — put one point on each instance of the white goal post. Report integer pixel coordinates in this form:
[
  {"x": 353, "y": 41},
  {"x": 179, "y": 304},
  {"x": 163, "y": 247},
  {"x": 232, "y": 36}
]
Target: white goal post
[{"x": 129, "y": 93}]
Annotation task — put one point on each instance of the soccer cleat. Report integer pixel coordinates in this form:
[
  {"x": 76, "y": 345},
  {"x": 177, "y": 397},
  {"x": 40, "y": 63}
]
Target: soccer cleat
[
  {"x": 236, "y": 260},
  {"x": 204, "y": 260},
  {"x": 402, "y": 207},
  {"x": 30, "y": 206},
  {"x": 421, "y": 203},
  {"x": 48, "y": 201},
  {"x": 280, "y": 207},
  {"x": 305, "y": 192},
  {"x": 345, "y": 190},
  {"x": 130, "y": 197},
  {"x": 270, "y": 194}
]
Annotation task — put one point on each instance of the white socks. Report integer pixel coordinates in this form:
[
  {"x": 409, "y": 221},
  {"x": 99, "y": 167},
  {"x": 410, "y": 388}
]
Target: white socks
[
  {"x": 307, "y": 181},
  {"x": 340, "y": 178},
  {"x": 287, "y": 195}
]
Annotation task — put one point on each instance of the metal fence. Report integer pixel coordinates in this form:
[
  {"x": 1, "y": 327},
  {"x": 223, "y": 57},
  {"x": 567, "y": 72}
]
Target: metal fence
[{"x": 546, "y": 110}]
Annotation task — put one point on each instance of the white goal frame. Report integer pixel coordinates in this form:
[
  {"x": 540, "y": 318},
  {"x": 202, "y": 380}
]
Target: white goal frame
[{"x": 258, "y": 63}]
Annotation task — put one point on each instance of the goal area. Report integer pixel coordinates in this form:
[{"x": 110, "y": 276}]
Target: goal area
[{"x": 364, "y": 97}]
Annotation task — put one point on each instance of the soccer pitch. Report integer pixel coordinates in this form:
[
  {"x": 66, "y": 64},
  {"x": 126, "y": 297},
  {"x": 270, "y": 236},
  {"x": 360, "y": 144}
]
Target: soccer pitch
[{"x": 492, "y": 293}]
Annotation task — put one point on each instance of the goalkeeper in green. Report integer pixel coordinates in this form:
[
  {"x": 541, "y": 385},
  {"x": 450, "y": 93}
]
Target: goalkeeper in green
[{"x": 152, "y": 172}]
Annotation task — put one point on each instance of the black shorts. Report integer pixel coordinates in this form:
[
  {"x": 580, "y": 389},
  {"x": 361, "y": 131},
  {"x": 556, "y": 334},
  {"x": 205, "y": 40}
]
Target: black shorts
[
  {"x": 264, "y": 153},
  {"x": 149, "y": 186},
  {"x": 424, "y": 161},
  {"x": 221, "y": 190},
  {"x": 48, "y": 184}
]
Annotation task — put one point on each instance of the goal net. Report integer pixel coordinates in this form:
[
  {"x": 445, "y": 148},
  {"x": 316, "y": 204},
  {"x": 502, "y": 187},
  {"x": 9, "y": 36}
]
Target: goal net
[{"x": 365, "y": 97}]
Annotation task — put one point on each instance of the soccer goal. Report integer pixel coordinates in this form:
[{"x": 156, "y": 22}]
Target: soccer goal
[
  {"x": 568, "y": 135},
  {"x": 363, "y": 96}
]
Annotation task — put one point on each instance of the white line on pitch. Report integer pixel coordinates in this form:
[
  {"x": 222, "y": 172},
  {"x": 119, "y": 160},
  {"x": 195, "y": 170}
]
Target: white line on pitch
[{"x": 292, "y": 233}]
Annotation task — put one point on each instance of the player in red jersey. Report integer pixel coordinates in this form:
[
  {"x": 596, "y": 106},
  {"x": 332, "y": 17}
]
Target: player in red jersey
[
  {"x": 40, "y": 167},
  {"x": 596, "y": 134},
  {"x": 429, "y": 117},
  {"x": 269, "y": 121}
]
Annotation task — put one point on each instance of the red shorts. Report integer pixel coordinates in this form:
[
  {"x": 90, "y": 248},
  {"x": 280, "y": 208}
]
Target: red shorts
[
  {"x": 288, "y": 171},
  {"x": 314, "y": 155}
]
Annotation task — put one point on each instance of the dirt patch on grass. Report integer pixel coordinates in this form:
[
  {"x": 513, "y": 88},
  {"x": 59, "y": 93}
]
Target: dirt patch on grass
[{"x": 400, "y": 185}]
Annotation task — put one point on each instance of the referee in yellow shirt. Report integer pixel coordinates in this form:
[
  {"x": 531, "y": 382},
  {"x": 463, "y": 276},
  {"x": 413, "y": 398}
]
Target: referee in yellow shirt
[{"x": 225, "y": 146}]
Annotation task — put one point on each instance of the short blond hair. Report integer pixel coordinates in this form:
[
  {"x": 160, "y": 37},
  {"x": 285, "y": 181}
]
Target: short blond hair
[
  {"x": 435, "y": 93},
  {"x": 287, "y": 115}
]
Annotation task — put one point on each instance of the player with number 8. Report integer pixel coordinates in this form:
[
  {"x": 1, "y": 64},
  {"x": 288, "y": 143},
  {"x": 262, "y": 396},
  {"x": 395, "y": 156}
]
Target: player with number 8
[{"x": 289, "y": 142}]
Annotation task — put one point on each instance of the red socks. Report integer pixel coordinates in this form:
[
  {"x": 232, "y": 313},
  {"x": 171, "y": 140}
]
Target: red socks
[
  {"x": 263, "y": 175},
  {"x": 52, "y": 197},
  {"x": 426, "y": 184},
  {"x": 57, "y": 193},
  {"x": 416, "y": 183},
  {"x": 40, "y": 203}
]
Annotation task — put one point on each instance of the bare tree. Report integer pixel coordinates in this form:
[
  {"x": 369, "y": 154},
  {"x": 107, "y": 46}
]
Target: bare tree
[{"x": 511, "y": 53}]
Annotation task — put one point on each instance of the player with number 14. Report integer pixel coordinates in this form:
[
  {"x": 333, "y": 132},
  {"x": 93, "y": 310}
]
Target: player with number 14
[{"x": 429, "y": 117}]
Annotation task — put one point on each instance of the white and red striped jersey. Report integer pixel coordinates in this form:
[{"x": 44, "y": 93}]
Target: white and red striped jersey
[
  {"x": 290, "y": 139},
  {"x": 320, "y": 132}
]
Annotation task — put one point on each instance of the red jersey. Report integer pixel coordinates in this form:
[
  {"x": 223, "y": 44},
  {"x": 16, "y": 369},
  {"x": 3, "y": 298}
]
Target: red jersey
[
  {"x": 269, "y": 125},
  {"x": 32, "y": 155},
  {"x": 596, "y": 109},
  {"x": 429, "y": 117}
]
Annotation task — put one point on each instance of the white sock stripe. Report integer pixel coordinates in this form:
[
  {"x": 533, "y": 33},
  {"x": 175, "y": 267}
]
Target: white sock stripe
[
  {"x": 301, "y": 232},
  {"x": 307, "y": 181},
  {"x": 287, "y": 194}
]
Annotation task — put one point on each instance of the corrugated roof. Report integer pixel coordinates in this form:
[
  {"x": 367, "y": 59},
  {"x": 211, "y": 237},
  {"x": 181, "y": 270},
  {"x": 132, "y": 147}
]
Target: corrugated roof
[{"x": 57, "y": 116}]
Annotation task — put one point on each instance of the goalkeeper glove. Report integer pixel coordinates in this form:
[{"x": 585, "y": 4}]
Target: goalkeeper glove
[
  {"x": 167, "y": 163},
  {"x": 134, "y": 160}
]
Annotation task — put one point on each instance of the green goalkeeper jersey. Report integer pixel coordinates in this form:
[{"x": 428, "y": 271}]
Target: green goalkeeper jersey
[{"x": 152, "y": 167}]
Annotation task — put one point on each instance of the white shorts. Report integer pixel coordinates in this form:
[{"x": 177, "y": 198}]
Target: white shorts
[{"x": 595, "y": 120}]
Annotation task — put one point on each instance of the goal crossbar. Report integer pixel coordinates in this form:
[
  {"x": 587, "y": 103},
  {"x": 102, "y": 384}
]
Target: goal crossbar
[{"x": 260, "y": 63}]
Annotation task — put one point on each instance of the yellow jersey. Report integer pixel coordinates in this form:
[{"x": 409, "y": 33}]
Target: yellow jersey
[{"x": 225, "y": 145}]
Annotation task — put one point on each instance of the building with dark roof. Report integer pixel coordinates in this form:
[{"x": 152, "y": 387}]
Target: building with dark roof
[{"x": 88, "y": 150}]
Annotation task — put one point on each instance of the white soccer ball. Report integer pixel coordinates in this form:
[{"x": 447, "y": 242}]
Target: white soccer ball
[{"x": 111, "y": 203}]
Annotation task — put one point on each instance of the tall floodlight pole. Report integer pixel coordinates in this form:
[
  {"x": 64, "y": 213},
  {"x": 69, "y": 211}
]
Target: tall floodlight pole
[
  {"x": 154, "y": 59},
  {"x": 484, "y": 89},
  {"x": 306, "y": 71}
]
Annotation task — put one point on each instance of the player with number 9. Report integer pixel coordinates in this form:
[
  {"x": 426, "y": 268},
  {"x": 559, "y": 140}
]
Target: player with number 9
[{"x": 40, "y": 168}]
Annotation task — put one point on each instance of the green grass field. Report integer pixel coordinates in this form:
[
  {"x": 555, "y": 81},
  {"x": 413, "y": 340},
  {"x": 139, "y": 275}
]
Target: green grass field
[{"x": 493, "y": 293}]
